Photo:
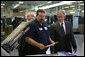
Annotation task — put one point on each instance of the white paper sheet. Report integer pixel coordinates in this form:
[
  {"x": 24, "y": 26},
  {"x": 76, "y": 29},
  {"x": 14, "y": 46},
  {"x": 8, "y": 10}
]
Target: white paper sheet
[{"x": 51, "y": 44}]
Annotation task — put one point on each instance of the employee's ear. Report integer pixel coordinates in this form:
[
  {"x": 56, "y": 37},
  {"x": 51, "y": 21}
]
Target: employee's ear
[{"x": 57, "y": 17}]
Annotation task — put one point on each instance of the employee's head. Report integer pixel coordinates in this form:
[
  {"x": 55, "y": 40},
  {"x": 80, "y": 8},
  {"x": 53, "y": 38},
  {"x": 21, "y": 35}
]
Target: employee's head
[
  {"x": 30, "y": 15},
  {"x": 61, "y": 16},
  {"x": 40, "y": 15}
]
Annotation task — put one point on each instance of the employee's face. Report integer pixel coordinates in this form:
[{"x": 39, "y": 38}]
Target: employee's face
[
  {"x": 60, "y": 17},
  {"x": 41, "y": 17},
  {"x": 29, "y": 17}
]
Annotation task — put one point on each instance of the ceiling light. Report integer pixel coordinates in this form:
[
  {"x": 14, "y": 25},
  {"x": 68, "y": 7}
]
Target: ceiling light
[
  {"x": 81, "y": 1},
  {"x": 16, "y": 5},
  {"x": 21, "y": 2},
  {"x": 49, "y": 2},
  {"x": 2, "y": 4},
  {"x": 72, "y": 6},
  {"x": 82, "y": 4},
  {"x": 72, "y": 12},
  {"x": 79, "y": 9},
  {"x": 82, "y": 10},
  {"x": 2, "y": 7},
  {"x": 66, "y": 7},
  {"x": 69, "y": 3},
  {"x": 57, "y": 4}
]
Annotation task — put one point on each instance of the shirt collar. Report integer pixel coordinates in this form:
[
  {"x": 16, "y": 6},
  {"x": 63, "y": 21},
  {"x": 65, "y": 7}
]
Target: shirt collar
[
  {"x": 39, "y": 23},
  {"x": 61, "y": 23}
]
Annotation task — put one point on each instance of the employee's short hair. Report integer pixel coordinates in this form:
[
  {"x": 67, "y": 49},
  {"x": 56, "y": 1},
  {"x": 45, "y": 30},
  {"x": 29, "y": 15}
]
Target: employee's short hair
[
  {"x": 30, "y": 13},
  {"x": 40, "y": 10}
]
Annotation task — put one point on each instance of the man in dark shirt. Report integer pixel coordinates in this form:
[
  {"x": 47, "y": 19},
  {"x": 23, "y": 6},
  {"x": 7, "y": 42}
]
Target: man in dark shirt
[{"x": 37, "y": 37}]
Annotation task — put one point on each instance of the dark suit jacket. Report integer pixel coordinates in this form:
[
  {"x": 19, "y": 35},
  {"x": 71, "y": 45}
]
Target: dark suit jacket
[{"x": 65, "y": 41}]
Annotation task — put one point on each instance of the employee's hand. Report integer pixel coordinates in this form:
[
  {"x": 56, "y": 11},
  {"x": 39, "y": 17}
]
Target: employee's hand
[
  {"x": 74, "y": 49},
  {"x": 41, "y": 46}
]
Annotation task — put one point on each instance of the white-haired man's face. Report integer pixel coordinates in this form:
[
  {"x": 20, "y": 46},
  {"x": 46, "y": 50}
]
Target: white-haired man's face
[{"x": 61, "y": 16}]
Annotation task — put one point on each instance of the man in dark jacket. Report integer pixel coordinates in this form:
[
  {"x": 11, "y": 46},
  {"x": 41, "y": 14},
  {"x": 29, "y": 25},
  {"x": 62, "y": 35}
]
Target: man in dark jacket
[{"x": 62, "y": 32}]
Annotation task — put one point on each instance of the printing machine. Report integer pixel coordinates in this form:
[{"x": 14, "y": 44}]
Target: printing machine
[{"x": 10, "y": 43}]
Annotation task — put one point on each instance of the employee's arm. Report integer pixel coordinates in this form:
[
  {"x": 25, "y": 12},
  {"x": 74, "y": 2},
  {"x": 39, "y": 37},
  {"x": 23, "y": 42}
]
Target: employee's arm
[{"x": 34, "y": 43}]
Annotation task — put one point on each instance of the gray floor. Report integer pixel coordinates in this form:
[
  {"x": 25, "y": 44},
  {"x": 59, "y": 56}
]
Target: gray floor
[{"x": 80, "y": 44}]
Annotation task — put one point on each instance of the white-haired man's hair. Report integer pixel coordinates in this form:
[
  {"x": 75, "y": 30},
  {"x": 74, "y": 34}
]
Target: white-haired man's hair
[{"x": 62, "y": 11}]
